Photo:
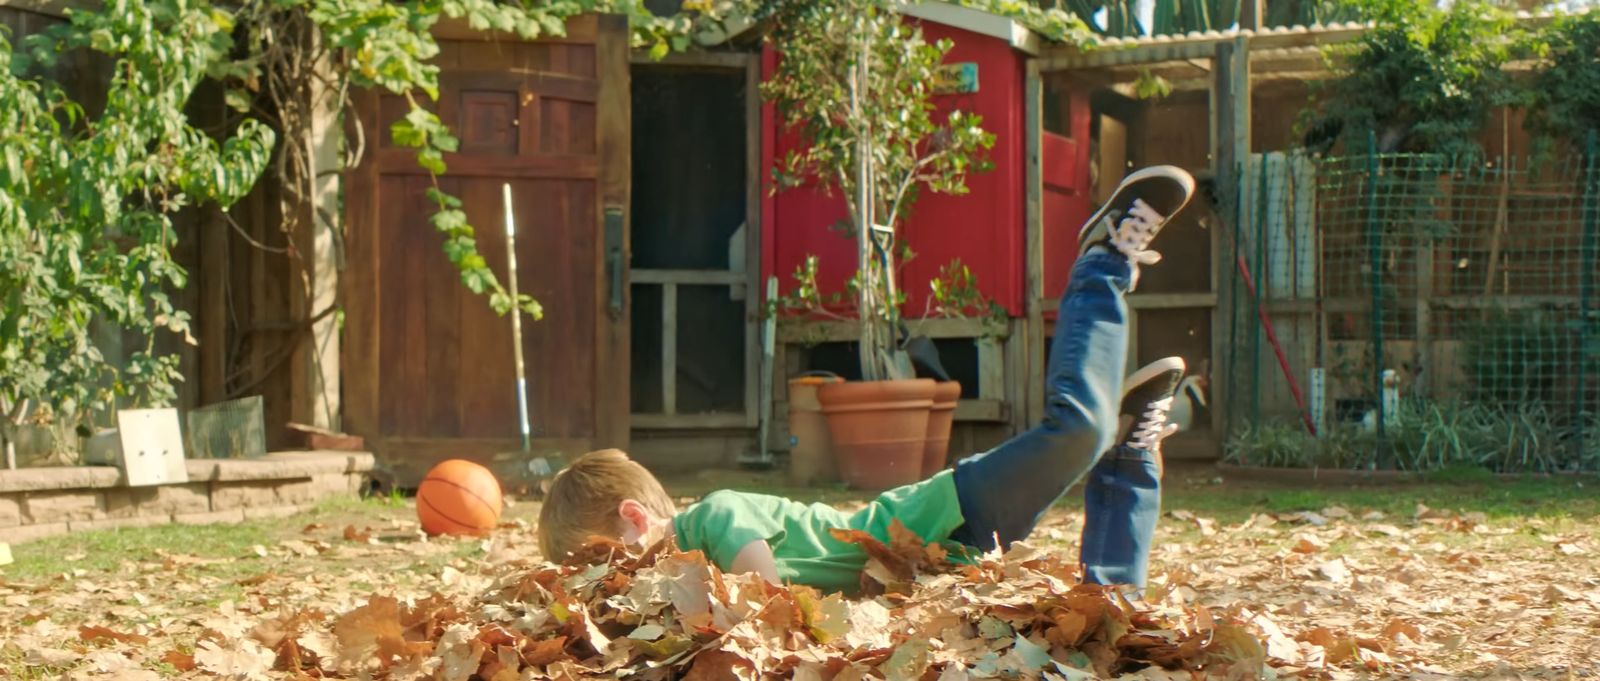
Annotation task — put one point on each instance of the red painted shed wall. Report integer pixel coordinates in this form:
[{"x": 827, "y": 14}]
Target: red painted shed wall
[{"x": 983, "y": 228}]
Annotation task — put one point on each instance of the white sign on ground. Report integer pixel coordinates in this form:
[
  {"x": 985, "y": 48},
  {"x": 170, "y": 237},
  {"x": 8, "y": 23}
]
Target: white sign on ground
[{"x": 152, "y": 447}]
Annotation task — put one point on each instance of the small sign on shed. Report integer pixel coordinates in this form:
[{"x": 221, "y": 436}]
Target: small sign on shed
[
  {"x": 152, "y": 447},
  {"x": 956, "y": 79}
]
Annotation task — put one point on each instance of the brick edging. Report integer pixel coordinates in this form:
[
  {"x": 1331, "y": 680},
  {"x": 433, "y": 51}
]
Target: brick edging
[{"x": 42, "y": 502}]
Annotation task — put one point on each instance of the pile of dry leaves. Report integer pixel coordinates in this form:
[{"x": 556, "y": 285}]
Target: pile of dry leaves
[{"x": 669, "y": 614}]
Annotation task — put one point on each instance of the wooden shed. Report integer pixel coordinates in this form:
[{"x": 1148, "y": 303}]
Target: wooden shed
[{"x": 985, "y": 229}]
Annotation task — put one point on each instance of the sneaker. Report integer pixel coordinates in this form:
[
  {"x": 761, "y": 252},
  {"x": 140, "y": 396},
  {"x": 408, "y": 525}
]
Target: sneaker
[
  {"x": 1146, "y": 400},
  {"x": 1129, "y": 221}
]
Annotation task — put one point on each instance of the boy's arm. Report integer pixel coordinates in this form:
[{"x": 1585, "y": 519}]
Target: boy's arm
[{"x": 756, "y": 557}]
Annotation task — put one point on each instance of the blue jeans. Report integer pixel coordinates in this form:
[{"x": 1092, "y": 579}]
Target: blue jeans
[
  {"x": 1005, "y": 491},
  {"x": 1121, "y": 503}
]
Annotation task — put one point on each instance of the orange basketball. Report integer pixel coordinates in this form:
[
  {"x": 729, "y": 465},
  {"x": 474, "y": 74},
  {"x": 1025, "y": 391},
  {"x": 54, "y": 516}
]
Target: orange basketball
[{"x": 458, "y": 497}]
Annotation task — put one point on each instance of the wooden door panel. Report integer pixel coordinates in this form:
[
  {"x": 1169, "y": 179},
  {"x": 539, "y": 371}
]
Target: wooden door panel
[
  {"x": 402, "y": 359},
  {"x": 435, "y": 375}
]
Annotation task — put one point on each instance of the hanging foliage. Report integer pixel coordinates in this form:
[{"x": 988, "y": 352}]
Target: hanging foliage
[
  {"x": 1423, "y": 79},
  {"x": 1564, "y": 95}
]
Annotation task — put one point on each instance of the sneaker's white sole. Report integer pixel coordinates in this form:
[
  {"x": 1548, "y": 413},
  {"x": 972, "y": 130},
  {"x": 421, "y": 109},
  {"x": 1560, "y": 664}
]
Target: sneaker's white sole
[{"x": 1151, "y": 370}]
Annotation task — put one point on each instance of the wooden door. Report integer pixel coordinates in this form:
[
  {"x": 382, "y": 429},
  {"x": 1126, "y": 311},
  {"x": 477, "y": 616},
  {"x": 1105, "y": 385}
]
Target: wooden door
[
  {"x": 1067, "y": 200},
  {"x": 430, "y": 372}
]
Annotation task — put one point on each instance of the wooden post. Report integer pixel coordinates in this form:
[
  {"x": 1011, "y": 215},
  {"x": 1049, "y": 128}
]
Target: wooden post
[
  {"x": 752, "y": 242},
  {"x": 669, "y": 349},
  {"x": 614, "y": 130},
  {"x": 1230, "y": 125},
  {"x": 1250, "y": 14},
  {"x": 1033, "y": 229},
  {"x": 314, "y": 368}
]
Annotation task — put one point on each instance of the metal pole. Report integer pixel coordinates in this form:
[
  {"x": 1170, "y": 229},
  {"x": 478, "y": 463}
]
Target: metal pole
[
  {"x": 1375, "y": 281},
  {"x": 769, "y": 331},
  {"x": 1283, "y": 358},
  {"x": 516, "y": 319},
  {"x": 1233, "y": 292},
  {"x": 1591, "y": 260},
  {"x": 1256, "y": 296}
]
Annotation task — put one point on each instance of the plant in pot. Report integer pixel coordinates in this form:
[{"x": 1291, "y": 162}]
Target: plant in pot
[{"x": 855, "y": 83}]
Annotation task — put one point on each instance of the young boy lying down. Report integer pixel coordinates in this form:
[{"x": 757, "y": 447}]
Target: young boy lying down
[{"x": 996, "y": 496}]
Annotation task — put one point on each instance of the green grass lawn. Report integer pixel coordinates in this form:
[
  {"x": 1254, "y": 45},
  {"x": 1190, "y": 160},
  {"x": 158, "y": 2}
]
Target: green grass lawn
[
  {"x": 1195, "y": 490},
  {"x": 1199, "y": 490}
]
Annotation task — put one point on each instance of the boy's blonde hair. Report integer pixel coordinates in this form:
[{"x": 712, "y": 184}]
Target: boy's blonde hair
[{"x": 584, "y": 498}]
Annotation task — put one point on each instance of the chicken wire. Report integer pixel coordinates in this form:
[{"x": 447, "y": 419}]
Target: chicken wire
[{"x": 1416, "y": 299}]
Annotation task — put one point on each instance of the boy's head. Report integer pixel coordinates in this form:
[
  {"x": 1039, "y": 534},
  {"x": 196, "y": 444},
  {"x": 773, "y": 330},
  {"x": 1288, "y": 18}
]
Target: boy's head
[{"x": 602, "y": 493}]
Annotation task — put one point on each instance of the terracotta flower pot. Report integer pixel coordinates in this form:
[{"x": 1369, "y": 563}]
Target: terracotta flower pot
[
  {"x": 879, "y": 430},
  {"x": 936, "y": 450},
  {"x": 811, "y": 457}
]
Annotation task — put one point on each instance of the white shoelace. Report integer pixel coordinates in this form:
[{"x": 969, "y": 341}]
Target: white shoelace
[
  {"x": 1153, "y": 428},
  {"x": 1133, "y": 234}
]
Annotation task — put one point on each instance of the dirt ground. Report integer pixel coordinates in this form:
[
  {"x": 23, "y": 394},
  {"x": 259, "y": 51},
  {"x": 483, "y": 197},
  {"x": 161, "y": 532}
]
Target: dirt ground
[{"x": 1359, "y": 584}]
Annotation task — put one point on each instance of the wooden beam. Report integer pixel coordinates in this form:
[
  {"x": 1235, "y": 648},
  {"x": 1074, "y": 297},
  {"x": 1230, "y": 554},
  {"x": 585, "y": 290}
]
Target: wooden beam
[
  {"x": 696, "y": 60},
  {"x": 1109, "y": 102},
  {"x": 669, "y": 349},
  {"x": 687, "y": 421},
  {"x": 981, "y": 410},
  {"x": 689, "y": 277},
  {"x": 1032, "y": 376},
  {"x": 804, "y": 331}
]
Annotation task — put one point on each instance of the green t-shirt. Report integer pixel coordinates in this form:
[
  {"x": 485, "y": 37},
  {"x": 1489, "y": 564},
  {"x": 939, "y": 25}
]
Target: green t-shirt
[{"x": 724, "y": 522}]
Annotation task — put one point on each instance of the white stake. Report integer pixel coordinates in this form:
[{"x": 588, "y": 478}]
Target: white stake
[{"x": 516, "y": 320}]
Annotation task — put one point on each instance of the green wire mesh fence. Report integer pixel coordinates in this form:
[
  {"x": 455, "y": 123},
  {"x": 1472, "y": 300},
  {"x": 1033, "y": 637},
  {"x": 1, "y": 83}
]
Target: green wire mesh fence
[{"x": 1414, "y": 311}]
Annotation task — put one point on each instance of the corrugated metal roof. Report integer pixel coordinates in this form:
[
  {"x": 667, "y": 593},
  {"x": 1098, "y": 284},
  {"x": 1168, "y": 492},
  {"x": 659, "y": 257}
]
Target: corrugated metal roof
[{"x": 1111, "y": 51}]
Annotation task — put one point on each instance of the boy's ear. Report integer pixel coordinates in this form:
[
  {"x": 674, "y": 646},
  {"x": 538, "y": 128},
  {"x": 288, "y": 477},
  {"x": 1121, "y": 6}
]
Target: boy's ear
[{"x": 634, "y": 514}]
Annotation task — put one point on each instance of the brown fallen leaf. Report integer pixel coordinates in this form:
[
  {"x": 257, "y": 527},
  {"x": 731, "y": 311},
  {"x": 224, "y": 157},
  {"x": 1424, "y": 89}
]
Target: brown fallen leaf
[
  {"x": 97, "y": 634},
  {"x": 1306, "y": 544},
  {"x": 360, "y": 536},
  {"x": 718, "y": 665},
  {"x": 183, "y": 662},
  {"x": 257, "y": 580},
  {"x": 1398, "y": 627}
]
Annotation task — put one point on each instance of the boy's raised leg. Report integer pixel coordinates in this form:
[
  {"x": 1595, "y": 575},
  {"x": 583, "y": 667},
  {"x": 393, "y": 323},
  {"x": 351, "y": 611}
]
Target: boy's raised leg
[
  {"x": 1122, "y": 495},
  {"x": 1003, "y": 492}
]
